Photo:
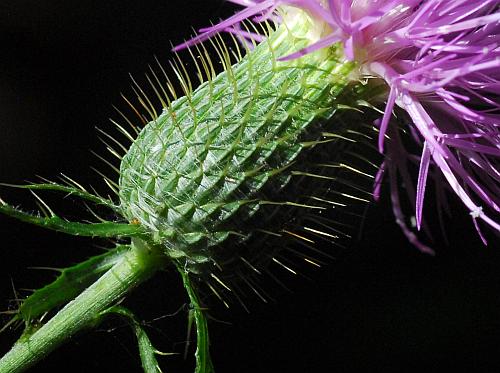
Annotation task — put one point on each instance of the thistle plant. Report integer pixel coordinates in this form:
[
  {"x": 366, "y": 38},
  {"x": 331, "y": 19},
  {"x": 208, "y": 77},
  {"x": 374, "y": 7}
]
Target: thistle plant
[{"x": 274, "y": 153}]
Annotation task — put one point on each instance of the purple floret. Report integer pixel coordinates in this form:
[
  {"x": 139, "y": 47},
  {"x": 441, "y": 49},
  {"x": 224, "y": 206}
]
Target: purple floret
[{"x": 441, "y": 62}]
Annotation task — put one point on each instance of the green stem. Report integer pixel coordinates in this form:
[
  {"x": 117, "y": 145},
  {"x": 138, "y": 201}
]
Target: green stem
[
  {"x": 203, "y": 360},
  {"x": 136, "y": 266}
]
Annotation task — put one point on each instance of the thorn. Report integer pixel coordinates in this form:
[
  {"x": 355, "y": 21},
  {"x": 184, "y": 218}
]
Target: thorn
[
  {"x": 112, "y": 139},
  {"x": 44, "y": 207},
  {"x": 18, "y": 303},
  {"x": 250, "y": 265},
  {"x": 253, "y": 288},
  {"x": 220, "y": 282},
  {"x": 284, "y": 266},
  {"x": 73, "y": 182},
  {"x": 9, "y": 323},
  {"x": 131, "y": 125},
  {"x": 217, "y": 294},
  {"x": 312, "y": 262},
  {"x": 320, "y": 232},
  {"x": 113, "y": 167},
  {"x": 133, "y": 109},
  {"x": 94, "y": 213},
  {"x": 150, "y": 107},
  {"x": 297, "y": 236}
]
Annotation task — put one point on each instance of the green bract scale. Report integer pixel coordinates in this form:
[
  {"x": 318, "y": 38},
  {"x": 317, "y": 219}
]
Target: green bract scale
[{"x": 250, "y": 163}]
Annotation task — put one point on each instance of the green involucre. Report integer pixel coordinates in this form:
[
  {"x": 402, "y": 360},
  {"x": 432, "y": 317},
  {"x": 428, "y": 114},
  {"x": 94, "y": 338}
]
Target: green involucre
[{"x": 204, "y": 167}]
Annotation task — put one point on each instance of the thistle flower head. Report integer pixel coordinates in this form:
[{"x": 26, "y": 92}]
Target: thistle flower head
[{"x": 441, "y": 62}]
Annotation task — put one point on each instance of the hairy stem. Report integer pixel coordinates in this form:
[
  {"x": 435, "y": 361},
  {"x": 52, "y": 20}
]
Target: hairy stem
[{"x": 136, "y": 266}]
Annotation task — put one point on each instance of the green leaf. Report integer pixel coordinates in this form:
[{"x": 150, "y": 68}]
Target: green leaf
[
  {"x": 54, "y": 222},
  {"x": 66, "y": 189},
  {"x": 69, "y": 284},
  {"x": 202, "y": 354},
  {"x": 147, "y": 351}
]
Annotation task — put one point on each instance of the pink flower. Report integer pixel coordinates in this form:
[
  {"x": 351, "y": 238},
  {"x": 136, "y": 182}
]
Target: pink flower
[{"x": 441, "y": 62}]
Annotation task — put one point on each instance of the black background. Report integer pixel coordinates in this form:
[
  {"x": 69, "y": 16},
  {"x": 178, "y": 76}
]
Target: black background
[{"x": 381, "y": 306}]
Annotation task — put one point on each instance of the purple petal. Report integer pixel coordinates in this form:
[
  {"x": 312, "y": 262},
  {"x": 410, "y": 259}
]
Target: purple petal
[
  {"x": 422, "y": 180},
  {"x": 238, "y": 17},
  {"x": 465, "y": 25},
  {"x": 478, "y": 230},
  {"x": 378, "y": 181},
  {"x": 385, "y": 119},
  {"x": 330, "y": 39},
  {"x": 398, "y": 213}
]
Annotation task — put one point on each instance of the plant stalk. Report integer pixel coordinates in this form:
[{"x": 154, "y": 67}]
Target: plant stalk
[{"x": 136, "y": 266}]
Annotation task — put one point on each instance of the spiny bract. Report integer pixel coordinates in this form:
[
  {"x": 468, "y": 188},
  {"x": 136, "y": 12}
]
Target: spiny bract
[{"x": 213, "y": 159}]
